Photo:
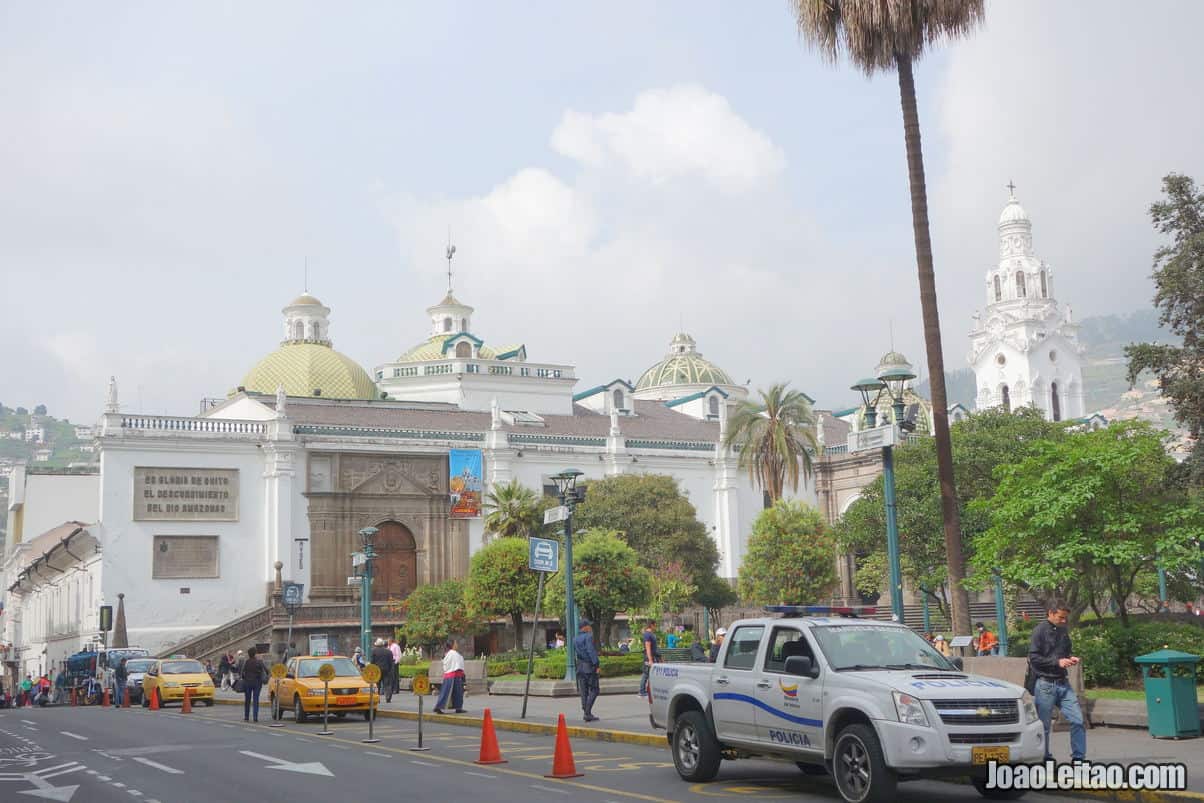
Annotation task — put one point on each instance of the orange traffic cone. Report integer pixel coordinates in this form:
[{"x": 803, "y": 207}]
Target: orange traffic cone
[
  {"x": 73, "y": 696},
  {"x": 490, "y": 753},
  {"x": 104, "y": 703},
  {"x": 154, "y": 703},
  {"x": 125, "y": 699},
  {"x": 186, "y": 708},
  {"x": 562, "y": 760}
]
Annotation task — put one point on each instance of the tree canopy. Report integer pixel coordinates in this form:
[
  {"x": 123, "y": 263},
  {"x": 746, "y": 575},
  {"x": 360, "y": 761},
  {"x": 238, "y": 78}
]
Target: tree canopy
[
  {"x": 791, "y": 556},
  {"x": 501, "y": 584},
  {"x": 512, "y": 509},
  {"x": 607, "y": 578},
  {"x": 1179, "y": 296},
  {"x": 775, "y": 437},
  {"x": 435, "y": 612}
]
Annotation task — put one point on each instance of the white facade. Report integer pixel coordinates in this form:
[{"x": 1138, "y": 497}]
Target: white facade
[
  {"x": 38, "y": 502},
  {"x": 1024, "y": 349}
]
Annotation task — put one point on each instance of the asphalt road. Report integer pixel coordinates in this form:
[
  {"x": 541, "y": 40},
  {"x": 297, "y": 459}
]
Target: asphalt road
[{"x": 97, "y": 755}]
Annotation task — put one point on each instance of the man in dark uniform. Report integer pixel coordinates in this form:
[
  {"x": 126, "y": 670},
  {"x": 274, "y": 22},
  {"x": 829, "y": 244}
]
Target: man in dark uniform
[
  {"x": 587, "y": 669},
  {"x": 384, "y": 659},
  {"x": 1049, "y": 658}
]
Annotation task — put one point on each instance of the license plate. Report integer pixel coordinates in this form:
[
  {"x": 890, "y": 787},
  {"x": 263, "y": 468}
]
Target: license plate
[
  {"x": 351, "y": 701},
  {"x": 982, "y": 755}
]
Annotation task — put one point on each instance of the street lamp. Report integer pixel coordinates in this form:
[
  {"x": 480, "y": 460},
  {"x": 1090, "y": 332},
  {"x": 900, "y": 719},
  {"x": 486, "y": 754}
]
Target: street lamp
[
  {"x": 366, "y": 536},
  {"x": 566, "y": 485}
]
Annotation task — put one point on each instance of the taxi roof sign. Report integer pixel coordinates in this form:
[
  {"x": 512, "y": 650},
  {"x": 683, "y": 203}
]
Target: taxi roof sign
[{"x": 822, "y": 610}]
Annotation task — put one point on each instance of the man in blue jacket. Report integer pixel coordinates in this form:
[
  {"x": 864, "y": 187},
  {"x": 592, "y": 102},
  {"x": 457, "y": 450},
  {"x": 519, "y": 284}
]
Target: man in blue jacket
[{"x": 587, "y": 669}]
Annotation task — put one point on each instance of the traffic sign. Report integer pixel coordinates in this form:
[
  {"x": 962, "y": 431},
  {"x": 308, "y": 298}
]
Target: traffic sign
[
  {"x": 555, "y": 514},
  {"x": 279, "y": 671},
  {"x": 371, "y": 673},
  {"x": 543, "y": 555},
  {"x": 421, "y": 685},
  {"x": 354, "y": 580},
  {"x": 326, "y": 673},
  {"x": 293, "y": 593},
  {"x": 876, "y": 438},
  {"x": 358, "y": 558},
  {"x": 106, "y": 617}
]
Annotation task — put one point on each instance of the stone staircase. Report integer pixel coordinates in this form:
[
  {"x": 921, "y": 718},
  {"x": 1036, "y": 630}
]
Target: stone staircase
[{"x": 255, "y": 627}]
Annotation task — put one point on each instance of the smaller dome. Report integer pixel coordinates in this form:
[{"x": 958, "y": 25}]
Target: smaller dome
[
  {"x": 301, "y": 368},
  {"x": 305, "y": 300},
  {"x": 682, "y": 366},
  {"x": 1013, "y": 213}
]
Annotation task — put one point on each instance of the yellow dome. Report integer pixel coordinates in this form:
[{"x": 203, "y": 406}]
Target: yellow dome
[
  {"x": 303, "y": 368},
  {"x": 305, "y": 300}
]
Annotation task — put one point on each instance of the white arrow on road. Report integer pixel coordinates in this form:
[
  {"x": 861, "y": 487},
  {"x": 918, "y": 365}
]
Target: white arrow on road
[
  {"x": 309, "y": 767},
  {"x": 59, "y": 793}
]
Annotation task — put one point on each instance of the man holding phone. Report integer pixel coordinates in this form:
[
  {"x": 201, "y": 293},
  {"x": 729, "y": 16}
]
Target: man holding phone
[{"x": 1050, "y": 659}]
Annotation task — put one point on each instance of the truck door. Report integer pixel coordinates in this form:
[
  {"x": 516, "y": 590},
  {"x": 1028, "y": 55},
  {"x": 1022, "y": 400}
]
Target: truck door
[
  {"x": 789, "y": 708},
  {"x": 733, "y": 685}
]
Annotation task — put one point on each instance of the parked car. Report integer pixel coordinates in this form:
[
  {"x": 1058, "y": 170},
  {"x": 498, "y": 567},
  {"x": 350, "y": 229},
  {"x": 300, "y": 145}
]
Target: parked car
[
  {"x": 169, "y": 677},
  {"x": 871, "y": 702},
  {"x": 304, "y": 693},
  {"x": 135, "y": 670}
]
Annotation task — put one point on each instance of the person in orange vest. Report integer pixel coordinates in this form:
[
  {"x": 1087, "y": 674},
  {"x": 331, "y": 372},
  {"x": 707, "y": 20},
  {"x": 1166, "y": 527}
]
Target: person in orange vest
[{"x": 988, "y": 644}]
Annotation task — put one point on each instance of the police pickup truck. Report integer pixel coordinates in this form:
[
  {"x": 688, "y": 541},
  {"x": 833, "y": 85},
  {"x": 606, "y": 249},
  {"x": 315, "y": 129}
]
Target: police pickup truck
[{"x": 869, "y": 702}]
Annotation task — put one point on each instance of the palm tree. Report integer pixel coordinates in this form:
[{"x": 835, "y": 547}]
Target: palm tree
[
  {"x": 511, "y": 509},
  {"x": 881, "y": 35},
  {"x": 776, "y": 438}
]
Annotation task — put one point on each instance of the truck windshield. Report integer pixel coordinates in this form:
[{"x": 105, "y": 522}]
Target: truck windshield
[{"x": 868, "y": 647}]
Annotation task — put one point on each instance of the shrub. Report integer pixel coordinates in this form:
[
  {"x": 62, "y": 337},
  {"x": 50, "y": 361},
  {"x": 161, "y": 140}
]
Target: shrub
[
  {"x": 620, "y": 665},
  {"x": 412, "y": 670},
  {"x": 498, "y": 668}
]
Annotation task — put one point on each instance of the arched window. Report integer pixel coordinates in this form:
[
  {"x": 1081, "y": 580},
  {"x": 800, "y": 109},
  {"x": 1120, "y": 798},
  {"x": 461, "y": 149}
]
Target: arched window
[
  {"x": 1006, "y": 399},
  {"x": 298, "y": 331},
  {"x": 463, "y": 349},
  {"x": 1055, "y": 404},
  {"x": 1044, "y": 286},
  {"x": 1019, "y": 285},
  {"x": 618, "y": 399},
  {"x": 714, "y": 406},
  {"x": 463, "y": 324},
  {"x": 998, "y": 290},
  {"x": 447, "y": 324},
  {"x": 317, "y": 331}
]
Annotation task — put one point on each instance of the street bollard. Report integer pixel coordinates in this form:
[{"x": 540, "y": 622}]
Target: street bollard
[
  {"x": 278, "y": 672},
  {"x": 371, "y": 715},
  {"x": 325, "y": 674},
  {"x": 419, "y": 747}
]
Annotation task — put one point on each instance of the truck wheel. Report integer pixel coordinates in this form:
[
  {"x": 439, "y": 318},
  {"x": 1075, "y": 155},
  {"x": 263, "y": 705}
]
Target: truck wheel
[
  {"x": 859, "y": 768},
  {"x": 997, "y": 794},
  {"x": 695, "y": 749}
]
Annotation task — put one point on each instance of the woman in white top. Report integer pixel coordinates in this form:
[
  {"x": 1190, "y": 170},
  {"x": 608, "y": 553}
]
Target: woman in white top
[{"x": 452, "y": 688}]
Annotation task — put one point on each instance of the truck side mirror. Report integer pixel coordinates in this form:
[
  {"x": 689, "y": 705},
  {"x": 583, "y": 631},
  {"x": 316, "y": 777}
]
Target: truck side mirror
[
  {"x": 957, "y": 663},
  {"x": 801, "y": 666}
]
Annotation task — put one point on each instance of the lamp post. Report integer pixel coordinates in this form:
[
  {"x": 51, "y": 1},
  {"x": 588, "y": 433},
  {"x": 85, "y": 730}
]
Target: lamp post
[
  {"x": 566, "y": 484},
  {"x": 366, "y": 536}
]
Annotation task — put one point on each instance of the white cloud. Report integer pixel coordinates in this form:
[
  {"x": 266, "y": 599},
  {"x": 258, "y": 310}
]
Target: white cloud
[{"x": 682, "y": 131}]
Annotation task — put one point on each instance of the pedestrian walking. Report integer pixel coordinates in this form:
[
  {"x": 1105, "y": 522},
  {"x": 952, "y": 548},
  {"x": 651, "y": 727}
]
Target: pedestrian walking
[
  {"x": 452, "y": 688},
  {"x": 395, "y": 651},
  {"x": 120, "y": 674},
  {"x": 224, "y": 668},
  {"x": 988, "y": 644},
  {"x": 587, "y": 669},
  {"x": 652, "y": 655},
  {"x": 1049, "y": 660},
  {"x": 26, "y": 690},
  {"x": 383, "y": 658},
  {"x": 253, "y": 675},
  {"x": 720, "y": 633}
]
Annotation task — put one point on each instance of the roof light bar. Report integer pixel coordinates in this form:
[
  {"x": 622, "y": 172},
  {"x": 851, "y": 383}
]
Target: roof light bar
[{"x": 823, "y": 610}]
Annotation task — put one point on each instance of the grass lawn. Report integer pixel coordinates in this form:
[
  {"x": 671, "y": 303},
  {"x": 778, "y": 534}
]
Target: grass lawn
[{"x": 1129, "y": 694}]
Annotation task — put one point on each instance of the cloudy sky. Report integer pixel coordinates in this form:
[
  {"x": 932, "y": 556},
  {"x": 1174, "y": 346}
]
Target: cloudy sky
[{"x": 610, "y": 172}]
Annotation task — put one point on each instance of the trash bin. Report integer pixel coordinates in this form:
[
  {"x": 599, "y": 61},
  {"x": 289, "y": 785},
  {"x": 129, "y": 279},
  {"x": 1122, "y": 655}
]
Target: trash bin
[{"x": 1170, "y": 693}]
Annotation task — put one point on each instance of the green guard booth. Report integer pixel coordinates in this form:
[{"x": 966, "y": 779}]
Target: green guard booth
[{"x": 1170, "y": 693}]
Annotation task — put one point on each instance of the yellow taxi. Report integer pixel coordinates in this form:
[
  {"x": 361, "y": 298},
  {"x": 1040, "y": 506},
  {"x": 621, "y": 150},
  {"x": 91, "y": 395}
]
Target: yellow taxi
[
  {"x": 169, "y": 677},
  {"x": 303, "y": 692}
]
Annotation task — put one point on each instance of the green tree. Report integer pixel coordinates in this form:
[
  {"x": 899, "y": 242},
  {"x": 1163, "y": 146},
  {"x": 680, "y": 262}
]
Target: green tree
[
  {"x": 981, "y": 443},
  {"x": 501, "y": 584},
  {"x": 1179, "y": 295},
  {"x": 714, "y": 593},
  {"x": 672, "y": 591},
  {"x": 879, "y": 37},
  {"x": 512, "y": 509},
  {"x": 791, "y": 556},
  {"x": 775, "y": 438},
  {"x": 40, "y": 410},
  {"x": 607, "y": 578},
  {"x": 435, "y": 612},
  {"x": 1089, "y": 513},
  {"x": 652, "y": 515}
]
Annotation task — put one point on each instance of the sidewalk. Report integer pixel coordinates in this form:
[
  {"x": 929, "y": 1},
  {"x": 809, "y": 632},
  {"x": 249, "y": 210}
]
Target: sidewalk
[{"x": 624, "y": 718}]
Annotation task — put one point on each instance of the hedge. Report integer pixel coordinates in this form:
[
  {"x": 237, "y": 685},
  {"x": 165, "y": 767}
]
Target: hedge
[
  {"x": 609, "y": 666},
  {"x": 1108, "y": 650},
  {"x": 411, "y": 670}
]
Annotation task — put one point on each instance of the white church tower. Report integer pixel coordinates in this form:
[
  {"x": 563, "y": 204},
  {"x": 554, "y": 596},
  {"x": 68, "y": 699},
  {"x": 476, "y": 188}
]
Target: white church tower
[{"x": 1025, "y": 350}]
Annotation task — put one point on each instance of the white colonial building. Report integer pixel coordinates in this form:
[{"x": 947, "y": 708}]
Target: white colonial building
[{"x": 1024, "y": 348}]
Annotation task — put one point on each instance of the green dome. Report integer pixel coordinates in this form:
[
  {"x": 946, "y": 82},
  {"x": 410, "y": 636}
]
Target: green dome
[
  {"x": 301, "y": 368},
  {"x": 683, "y": 366}
]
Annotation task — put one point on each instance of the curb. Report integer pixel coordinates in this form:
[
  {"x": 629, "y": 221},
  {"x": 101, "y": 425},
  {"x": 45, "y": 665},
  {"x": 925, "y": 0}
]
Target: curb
[
  {"x": 516, "y": 726},
  {"x": 659, "y": 740}
]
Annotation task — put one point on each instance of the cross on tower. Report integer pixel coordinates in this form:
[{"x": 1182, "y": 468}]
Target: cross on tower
[{"x": 1011, "y": 185}]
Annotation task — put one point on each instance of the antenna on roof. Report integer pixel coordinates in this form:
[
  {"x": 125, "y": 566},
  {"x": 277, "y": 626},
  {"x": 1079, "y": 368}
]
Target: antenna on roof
[
  {"x": 451, "y": 252},
  {"x": 306, "y": 285},
  {"x": 891, "y": 323}
]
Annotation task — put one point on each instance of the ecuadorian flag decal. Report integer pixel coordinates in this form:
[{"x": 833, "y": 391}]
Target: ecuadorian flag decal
[{"x": 790, "y": 691}]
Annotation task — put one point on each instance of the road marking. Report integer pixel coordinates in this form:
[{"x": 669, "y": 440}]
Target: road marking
[
  {"x": 479, "y": 774},
  {"x": 103, "y": 778},
  {"x": 374, "y": 753},
  {"x": 303, "y": 739},
  {"x": 119, "y": 785},
  {"x": 54, "y": 772},
  {"x": 29, "y": 722},
  {"x": 158, "y": 766},
  {"x": 308, "y": 767},
  {"x": 30, "y": 727},
  {"x": 423, "y": 763},
  {"x": 339, "y": 747},
  {"x": 74, "y": 735},
  {"x": 543, "y": 788},
  {"x": 134, "y": 792}
]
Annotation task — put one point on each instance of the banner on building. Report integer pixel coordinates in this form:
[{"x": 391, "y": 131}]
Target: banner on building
[{"x": 464, "y": 468}]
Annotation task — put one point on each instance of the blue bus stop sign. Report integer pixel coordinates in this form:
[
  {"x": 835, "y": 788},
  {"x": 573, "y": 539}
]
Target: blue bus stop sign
[
  {"x": 544, "y": 555},
  {"x": 293, "y": 594}
]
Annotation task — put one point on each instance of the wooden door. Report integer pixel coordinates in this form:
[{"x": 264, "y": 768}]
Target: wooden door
[{"x": 395, "y": 572}]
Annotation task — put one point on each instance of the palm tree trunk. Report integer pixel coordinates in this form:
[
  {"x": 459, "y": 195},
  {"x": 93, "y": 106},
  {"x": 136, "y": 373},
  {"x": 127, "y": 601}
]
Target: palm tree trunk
[{"x": 960, "y": 600}]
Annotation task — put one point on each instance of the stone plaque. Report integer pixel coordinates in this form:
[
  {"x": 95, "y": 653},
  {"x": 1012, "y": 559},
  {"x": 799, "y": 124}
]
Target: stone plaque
[
  {"x": 178, "y": 556},
  {"x": 185, "y": 494}
]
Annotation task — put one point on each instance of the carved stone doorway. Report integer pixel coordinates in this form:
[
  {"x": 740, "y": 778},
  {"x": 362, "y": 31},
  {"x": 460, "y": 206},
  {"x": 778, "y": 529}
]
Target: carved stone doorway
[{"x": 396, "y": 567}]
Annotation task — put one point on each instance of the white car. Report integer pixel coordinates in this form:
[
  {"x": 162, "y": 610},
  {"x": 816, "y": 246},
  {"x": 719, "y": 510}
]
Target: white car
[{"x": 870, "y": 702}]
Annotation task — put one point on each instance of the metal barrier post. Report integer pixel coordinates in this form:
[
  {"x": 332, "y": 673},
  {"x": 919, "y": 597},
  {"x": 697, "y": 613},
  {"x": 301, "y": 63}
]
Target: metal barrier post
[
  {"x": 326, "y": 731},
  {"x": 372, "y": 689},
  {"x": 420, "y": 747}
]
